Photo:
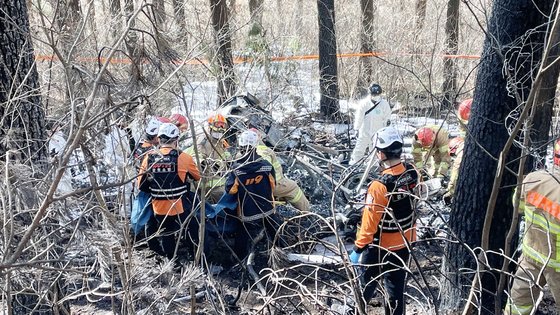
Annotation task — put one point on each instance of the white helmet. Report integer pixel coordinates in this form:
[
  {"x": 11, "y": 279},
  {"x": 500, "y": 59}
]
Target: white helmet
[
  {"x": 152, "y": 127},
  {"x": 248, "y": 138},
  {"x": 385, "y": 137},
  {"x": 168, "y": 130}
]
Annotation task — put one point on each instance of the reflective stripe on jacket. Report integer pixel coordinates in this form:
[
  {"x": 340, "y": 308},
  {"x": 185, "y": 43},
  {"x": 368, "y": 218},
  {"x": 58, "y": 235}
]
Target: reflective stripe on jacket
[
  {"x": 541, "y": 197},
  {"x": 269, "y": 155}
]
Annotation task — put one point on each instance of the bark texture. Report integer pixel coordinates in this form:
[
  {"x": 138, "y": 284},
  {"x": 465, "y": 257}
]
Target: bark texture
[
  {"x": 328, "y": 68},
  {"x": 367, "y": 45},
  {"x": 515, "y": 34},
  {"x": 21, "y": 109},
  {"x": 224, "y": 58},
  {"x": 449, "y": 88}
]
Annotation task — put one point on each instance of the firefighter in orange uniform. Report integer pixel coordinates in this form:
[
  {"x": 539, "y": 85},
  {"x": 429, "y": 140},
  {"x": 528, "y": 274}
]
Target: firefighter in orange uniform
[
  {"x": 388, "y": 223},
  {"x": 164, "y": 175}
]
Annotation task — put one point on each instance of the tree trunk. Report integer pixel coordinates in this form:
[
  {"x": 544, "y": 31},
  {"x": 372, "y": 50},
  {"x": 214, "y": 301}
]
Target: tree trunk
[
  {"x": 544, "y": 101},
  {"x": 159, "y": 13},
  {"x": 367, "y": 44},
  {"x": 328, "y": 70},
  {"x": 21, "y": 109},
  {"x": 116, "y": 16},
  {"x": 180, "y": 19},
  {"x": 224, "y": 58},
  {"x": 421, "y": 6},
  {"x": 509, "y": 21},
  {"x": 134, "y": 49},
  {"x": 256, "y": 12},
  {"x": 450, "y": 64}
]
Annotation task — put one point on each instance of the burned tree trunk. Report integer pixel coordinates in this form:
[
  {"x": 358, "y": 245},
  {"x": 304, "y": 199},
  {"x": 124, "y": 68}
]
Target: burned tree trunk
[
  {"x": 159, "y": 13},
  {"x": 367, "y": 44},
  {"x": 180, "y": 19},
  {"x": 135, "y": 51},
  {"x": 224, "y": 58},
  {"x": 513, "y": 24},
  {"x": 328, "y": 69},
  {"x": 21, "y": 109},
  {"x": 116, "y": 16},
  {"x": 449, "y": 63},
  {"x": 421, "y": 6},
  {"x": 256, "y": 12},
  {"x": 544, "y": 101}
]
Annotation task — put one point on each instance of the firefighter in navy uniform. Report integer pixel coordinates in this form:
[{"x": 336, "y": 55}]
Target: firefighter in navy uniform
[
  {"x": 388, "y": 223},
  {"x": 164, "y": 175},
  {"x": 252, "y": 182}
]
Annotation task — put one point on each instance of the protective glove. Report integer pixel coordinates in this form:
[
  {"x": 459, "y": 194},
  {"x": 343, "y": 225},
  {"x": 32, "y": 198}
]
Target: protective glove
[{"x": 354, "y": 257}]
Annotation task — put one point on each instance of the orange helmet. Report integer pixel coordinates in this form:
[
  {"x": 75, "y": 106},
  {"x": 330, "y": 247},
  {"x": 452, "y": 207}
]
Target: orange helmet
[
  {"x": 557, "y": 152},
  {"x": 464, "y": 110},
  {"x": 217, "y": 123},
  {"x": 180, "y": 121},
  {"x": 454, "y": 144},
  {"x": 425, "y": 136}
]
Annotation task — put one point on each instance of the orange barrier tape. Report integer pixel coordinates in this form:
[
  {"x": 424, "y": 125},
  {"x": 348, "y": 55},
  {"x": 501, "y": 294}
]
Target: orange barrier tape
[{"x": 238, "y": 60}]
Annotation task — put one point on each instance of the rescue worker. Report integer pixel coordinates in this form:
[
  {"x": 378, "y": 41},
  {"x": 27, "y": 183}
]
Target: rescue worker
[
  {"x": 213, "y": 155},
  {"x": 464, "y": 113},
  {"x": 539, "y": 263},
  {"x": 431, "y": 142},
  {"x": 285, "y": 189},
  {"x": 149, "y": 141},
  {"x": 456, "y": 146},
  {"x": 388, "y": 223},
  {"x": 183, "y": 124},
  {"x": 372, "y": 114},
  {"x": 164, "y": 174},
  {"x": 252, "y": 182}
]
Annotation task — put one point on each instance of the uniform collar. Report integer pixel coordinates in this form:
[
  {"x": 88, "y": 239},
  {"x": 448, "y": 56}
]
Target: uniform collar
[{"x": 395, "y": 169}]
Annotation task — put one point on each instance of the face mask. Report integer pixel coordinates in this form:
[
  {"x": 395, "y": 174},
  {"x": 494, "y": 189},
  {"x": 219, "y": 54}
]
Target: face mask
[
  {"x": 216, "y": 135},
  {"x": 376, "y": 98}
]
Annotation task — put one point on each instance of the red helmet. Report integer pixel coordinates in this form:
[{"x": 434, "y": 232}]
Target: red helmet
[
  {"x": 163, "y": 120},
  {"x": 454, "y": 144},
  {"x": 425, "y": 136},
  {"x": 557, "y": 152},
  {"x": 180, "y": 121},
  {"x": 218, "y": 123},
  {"x": 464, "y": 110}
]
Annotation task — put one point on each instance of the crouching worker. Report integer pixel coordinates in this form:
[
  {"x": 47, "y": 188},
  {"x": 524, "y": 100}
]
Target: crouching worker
[
  {"x": 432, "y": 142},
  {"x": 164, "y": 174},
  {"x": 252, "y": 182},
  {"x": 285, "y": 189},
  {"x": 388, "y": 224}
]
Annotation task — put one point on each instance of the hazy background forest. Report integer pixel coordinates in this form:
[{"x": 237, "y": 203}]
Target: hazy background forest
[{"x": 99, "y": 65}]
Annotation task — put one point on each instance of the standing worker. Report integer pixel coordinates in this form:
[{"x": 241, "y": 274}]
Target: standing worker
[
  {"x": 252, "y": 182},
  {"x": 213, "y": 154},
  {"x": 388, "y": 223},
  {"x": 164, "y": 174},
  {"x": 285, "y": 189},
  {"x": 456, "y": 146},
  {"x": 539, "y": 263},
  {"x": 431, "y": 142},
  {"x": 372, "y": 114}
]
